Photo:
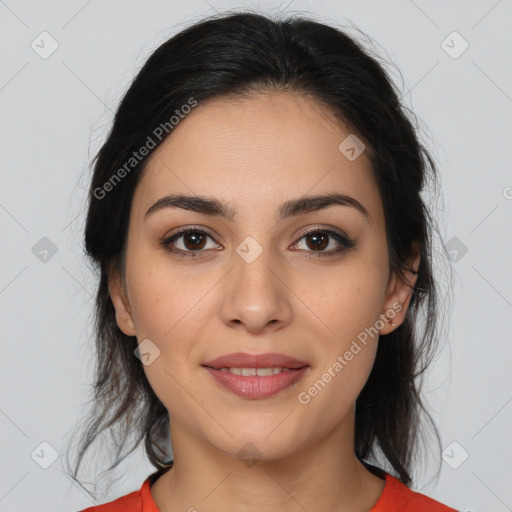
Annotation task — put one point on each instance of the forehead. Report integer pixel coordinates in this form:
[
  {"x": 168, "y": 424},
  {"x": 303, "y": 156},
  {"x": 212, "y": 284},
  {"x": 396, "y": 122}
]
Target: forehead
[{"x": 257, "y": 152}]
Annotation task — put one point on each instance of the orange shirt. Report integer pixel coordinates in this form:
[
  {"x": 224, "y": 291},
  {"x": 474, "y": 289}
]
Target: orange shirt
[{"x": 396, "y": 497}]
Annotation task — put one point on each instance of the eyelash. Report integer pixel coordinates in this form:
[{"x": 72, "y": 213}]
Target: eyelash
[{"x": 346, "y": 242}]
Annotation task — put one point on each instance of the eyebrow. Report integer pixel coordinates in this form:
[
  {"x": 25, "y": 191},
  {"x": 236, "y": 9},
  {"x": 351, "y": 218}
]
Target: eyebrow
[{"x": 293, "y": 207}]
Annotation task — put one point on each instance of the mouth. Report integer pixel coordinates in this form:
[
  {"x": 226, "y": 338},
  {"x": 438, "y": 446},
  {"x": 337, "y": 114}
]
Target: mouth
[{"x": 256, "y": 376}]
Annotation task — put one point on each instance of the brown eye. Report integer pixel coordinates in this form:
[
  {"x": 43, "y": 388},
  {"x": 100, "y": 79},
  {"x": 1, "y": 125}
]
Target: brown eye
[
  {"x": 317, "y": 241},
  {"x": 192, "y": 242}
]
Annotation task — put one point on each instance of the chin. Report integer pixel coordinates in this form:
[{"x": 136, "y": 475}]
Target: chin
[{"x": 257, "y": 441}]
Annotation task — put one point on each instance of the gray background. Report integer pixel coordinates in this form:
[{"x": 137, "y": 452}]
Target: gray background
[{"x": 55, "y": 113}]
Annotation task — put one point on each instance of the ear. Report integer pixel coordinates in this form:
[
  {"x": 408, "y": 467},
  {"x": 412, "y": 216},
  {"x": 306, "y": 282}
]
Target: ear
[
  {"x": 399, "y": 293},
  {"x": 121, "y": 304}
]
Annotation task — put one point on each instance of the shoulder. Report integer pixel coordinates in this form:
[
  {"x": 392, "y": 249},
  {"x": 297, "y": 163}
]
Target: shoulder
[
  {"x": 137, "y": 501},
  {"x": 397, "y": 496}
]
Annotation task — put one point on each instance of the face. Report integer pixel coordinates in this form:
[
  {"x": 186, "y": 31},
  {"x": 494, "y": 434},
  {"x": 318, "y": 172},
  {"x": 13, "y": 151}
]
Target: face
[{"x": 259, "y": 281}]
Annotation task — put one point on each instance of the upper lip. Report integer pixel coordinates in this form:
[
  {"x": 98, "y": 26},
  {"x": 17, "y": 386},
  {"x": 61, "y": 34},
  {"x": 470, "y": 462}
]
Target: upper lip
[{"x": 244, "y": 360}]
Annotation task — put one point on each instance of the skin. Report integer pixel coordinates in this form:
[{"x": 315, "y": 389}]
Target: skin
[{"x": 254, "y": 154}]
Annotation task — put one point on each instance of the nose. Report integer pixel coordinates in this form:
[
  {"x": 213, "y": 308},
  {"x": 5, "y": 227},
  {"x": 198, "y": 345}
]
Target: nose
[{"x": 254, "y": 295}]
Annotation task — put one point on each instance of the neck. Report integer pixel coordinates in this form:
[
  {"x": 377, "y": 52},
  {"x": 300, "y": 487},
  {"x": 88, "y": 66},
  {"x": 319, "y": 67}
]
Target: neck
[{"x": 325, "y": 475}]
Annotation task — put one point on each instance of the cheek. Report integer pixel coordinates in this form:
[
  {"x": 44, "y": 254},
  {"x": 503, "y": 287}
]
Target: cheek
[
  {"x": 331, "y": 391},
  {"x": 164, "y": 296},
  {"x": 348, "y": 302},
  {"x": 171, "y": 309}
]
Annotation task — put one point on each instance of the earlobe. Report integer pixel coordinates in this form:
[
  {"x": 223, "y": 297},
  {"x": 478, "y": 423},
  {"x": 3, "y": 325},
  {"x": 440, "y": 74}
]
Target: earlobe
[{"x": 121, "y": 305}]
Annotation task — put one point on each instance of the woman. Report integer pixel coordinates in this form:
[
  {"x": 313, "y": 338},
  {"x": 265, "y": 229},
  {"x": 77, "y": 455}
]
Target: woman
[{"x": 264, "y": 252}]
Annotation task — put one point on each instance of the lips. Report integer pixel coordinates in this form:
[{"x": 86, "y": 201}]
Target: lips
[
  {"x": 252, "y": 386},
  {"x": 244, "y": 360}
]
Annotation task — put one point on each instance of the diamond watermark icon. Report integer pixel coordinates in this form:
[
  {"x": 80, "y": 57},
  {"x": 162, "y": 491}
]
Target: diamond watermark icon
[
  {"x": 456, "y": 249},
  {"x": 249, "y": 454},
  {"x": 44, "y": 250},
  {"x": 249, "y": 249},
  {"x": 44, "y": 45},
  {"x": 351, "y": 147},
  {"x": 454, "y": 45},
  {"x": 147, "y": 352},
  {"x": 455, "y": 455},
  {"x": 44, "y": 455}
]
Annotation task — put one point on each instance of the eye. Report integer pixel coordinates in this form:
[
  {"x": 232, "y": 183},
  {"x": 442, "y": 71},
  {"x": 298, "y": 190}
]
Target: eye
[
  {"x": 192, "y": 242},
  {"x": 320, "y": 241}
]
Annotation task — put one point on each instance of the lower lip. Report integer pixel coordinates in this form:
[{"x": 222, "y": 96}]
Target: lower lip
[{"x": 257, "y": 387}]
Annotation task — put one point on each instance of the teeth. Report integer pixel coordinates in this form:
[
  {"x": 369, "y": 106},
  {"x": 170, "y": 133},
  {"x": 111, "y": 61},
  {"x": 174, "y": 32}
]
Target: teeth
[{"x": 261, "y": 372}]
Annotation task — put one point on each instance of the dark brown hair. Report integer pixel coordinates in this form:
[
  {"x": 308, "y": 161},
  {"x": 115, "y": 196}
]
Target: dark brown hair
[{"x": 239, "y": 54}]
